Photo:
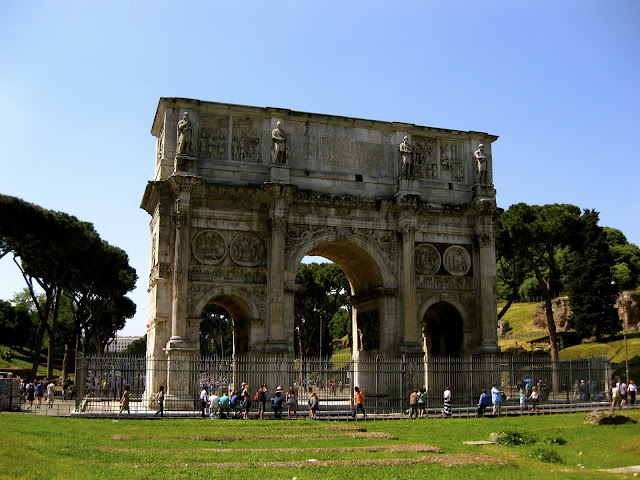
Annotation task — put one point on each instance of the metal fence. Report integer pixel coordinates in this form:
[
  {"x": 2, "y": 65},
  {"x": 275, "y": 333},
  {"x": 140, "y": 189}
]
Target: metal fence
[{"x": 386, "y": 382}]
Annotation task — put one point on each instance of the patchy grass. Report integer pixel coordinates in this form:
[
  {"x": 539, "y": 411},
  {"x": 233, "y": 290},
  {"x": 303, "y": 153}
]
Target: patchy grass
[{"x": 75, "y": 448}]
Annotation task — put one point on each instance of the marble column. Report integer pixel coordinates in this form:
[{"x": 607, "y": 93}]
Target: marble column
[
  {"x": 277, "y": 221},
  {"x": 487, "y": 293},
  {"x": 408, "y": 283},
  {"x": 180, "y": 272}
]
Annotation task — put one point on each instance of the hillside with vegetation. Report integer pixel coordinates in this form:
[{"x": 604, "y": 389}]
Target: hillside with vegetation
[{"x": 522, "y": 332}]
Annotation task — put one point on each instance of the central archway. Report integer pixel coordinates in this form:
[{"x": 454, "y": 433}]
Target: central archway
[{"x": 369, "y": 280}]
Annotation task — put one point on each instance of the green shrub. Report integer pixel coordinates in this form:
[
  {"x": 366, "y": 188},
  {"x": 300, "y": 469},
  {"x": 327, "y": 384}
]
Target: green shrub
[
  {"x": 515, "y": 437},
  {"x": 554, "y": 440},
  {"x": 545, "y": 455}
]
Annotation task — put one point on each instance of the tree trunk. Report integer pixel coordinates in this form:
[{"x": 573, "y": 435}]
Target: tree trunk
[
  {"x": 52, "y": 335},
  {"x": 551, "y": 324}
]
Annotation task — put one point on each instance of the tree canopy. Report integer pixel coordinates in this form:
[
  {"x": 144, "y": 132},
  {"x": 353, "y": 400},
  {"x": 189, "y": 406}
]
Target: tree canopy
[
  {"x": 322, "y": 294},
  {"x": 58, "y": 255}
]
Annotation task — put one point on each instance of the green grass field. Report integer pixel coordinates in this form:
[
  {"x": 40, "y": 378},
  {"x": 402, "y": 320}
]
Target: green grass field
[{"x": 73, "y": 448}]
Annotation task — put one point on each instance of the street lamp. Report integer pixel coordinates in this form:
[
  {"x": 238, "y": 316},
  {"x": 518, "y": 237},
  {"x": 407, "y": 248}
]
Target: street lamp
[{"x": 625, "y": 303}]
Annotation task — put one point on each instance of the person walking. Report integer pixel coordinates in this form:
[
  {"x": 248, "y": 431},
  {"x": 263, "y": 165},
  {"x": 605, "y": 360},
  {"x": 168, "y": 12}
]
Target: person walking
[
  {"x": 160, "y": 398},
  {"x": 39, "y": 393},
  {"x": 359, "y": 402},
  {"x": 446, "y": 408},
  {"x": 124, "y": 401}
]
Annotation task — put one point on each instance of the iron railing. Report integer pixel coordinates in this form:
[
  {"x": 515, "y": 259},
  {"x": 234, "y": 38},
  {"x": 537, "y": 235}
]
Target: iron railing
[{"x": 386, "y": 382}]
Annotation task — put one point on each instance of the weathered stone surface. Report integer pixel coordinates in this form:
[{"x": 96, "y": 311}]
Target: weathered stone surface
[
  {"x": 242, "y": 194},
  {"x": 561, "y": 312},
  {"x": 601, "y": 417}
]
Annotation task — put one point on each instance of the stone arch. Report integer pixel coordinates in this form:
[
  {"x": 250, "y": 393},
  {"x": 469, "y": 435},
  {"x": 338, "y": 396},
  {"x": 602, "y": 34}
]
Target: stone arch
[
  {"x": 361, "y": 261},
  {"x": 370, "y": 280},
  {"x": 241, "y": 307},
  {"x": 442, "y": 323}
]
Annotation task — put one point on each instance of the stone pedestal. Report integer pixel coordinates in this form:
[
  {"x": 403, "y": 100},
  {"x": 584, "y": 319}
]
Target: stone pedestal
[
  {"x": 406, "y": 187},
  {"x": 184, "y": 165},
  {"x": 182, "y": 391},
  {"x": 279, "y": 173}
]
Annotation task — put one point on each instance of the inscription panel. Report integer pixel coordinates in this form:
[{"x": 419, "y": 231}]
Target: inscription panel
[{"x": 337, "y": 148}]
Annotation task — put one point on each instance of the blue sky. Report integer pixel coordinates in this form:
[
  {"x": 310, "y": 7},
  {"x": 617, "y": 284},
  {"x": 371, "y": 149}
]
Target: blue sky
[{"x": 80, "y": 83}]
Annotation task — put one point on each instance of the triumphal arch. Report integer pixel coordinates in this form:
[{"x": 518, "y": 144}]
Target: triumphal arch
[{"x": 241, "y": 194}]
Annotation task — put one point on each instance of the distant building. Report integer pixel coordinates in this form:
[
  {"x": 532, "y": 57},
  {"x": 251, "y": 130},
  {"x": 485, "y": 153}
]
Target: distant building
[{"x": 119, "y": 344}]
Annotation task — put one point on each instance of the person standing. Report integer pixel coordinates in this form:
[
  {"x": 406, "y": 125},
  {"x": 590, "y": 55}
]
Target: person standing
[
  {"x": 359, "y": 402},
  {"x": 446, "y": 408},
  {"x": 422, "y": 403},
  {"x": 160, "y": 398},
  {"x": 124, "y": 401},
  {"x": 204, "y": 397},
  {"x": 632, "y": 390},
  {"x": 292, "y": 404},
  {"x": 535, "y": 396},
  {"x": 496, "y": 399},
  {"x": 523, "y": 405},
  {"x": 413, "y": 404},
  {"x": 262, "y": 400},
  {"x": 51, "y": 386},
  {"x": 313, "y": 403}
]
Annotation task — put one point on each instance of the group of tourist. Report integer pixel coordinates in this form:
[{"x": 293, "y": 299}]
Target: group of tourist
[
  {"x": 37, "y": 390},
  {"x": 238, "y": 404},
  {"x": 622, "y": 394}
]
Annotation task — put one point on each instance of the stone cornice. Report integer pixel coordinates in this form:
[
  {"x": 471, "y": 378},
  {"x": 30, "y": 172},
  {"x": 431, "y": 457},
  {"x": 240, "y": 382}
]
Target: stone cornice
[{"x": 293, "y": 115}]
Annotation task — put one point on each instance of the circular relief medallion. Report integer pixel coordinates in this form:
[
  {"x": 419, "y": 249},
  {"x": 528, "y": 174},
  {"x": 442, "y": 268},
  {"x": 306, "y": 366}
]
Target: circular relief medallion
[
  {"x": 209, "y": 247},
  {"x": 428, "y": 259},
  {"x": 456, "y": 260},
  {"x": 247, "y": 250}
]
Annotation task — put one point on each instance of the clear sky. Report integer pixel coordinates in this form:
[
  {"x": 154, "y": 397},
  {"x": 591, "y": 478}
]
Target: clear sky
[{"x": 558, "y": 81}]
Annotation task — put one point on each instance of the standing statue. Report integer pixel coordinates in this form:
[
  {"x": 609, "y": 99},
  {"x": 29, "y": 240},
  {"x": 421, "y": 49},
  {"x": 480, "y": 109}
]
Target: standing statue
[
  {"x": 407, "y": 163},
  {"x": 279, "y": 145},
  {"x": 185, "y": 132},
  {"x": 481, "y": 164}
]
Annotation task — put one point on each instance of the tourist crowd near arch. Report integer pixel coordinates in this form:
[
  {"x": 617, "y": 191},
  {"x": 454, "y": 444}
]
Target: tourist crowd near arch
[{"x": 242, "y": 194}]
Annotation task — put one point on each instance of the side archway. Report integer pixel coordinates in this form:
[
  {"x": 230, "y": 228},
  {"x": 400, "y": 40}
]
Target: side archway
[
  {"x": 442, "y": 326},
  {"x": 243, "y": 311}
]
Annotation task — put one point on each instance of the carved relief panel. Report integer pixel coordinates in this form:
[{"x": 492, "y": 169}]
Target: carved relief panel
[
  {"x": 425, "y": 157},
  {"x": 457, "y": 260},
  {"x": 212, "y": 143},
  {"x": 247, "y": 250},
  {"x": 245, "y": 144},
  {"x": 209, "y": 247},
  {"x": 452, "y": 161}
]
